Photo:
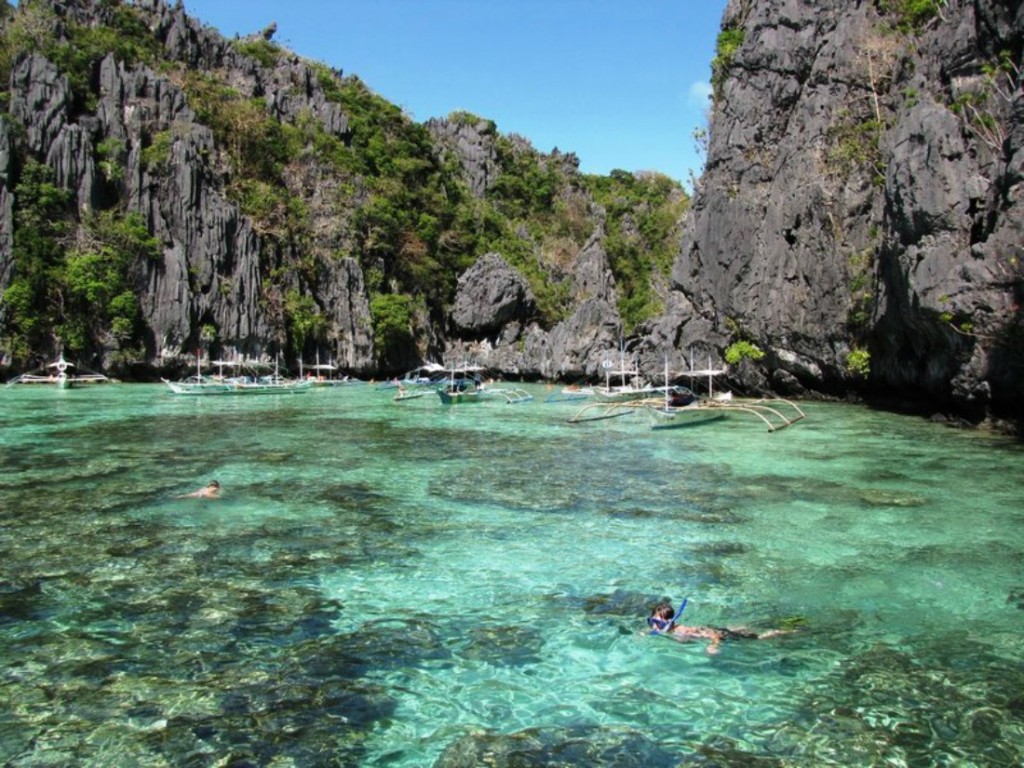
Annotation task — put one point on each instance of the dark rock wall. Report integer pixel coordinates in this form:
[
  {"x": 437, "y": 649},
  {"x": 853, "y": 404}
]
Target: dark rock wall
[
  {"x": 813, "y": 233},
  {"x": 213, "y": 265},
  {"x": 6, "y": 208},
  {"x": 847, "y": 204}
]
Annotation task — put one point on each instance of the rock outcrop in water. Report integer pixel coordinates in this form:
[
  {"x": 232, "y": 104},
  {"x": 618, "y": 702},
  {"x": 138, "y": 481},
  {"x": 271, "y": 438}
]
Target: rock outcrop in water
[{"x": 858, "y": 220}]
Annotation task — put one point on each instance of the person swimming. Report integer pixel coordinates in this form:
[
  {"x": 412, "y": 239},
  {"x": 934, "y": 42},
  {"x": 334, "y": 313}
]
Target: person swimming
[
  {"x": 210, "y": 491},
  {"x": 663, "y": 618}
]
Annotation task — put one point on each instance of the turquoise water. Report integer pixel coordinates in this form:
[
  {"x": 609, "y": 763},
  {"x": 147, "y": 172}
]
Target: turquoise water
[{"x": 413, "y": 585}]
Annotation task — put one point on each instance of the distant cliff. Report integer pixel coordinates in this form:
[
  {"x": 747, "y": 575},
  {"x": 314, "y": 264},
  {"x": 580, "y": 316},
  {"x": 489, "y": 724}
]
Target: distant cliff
[
  {"x": 166, "y": 190},
  {"x": 857, "y": 229},
  {"x": 860, "y": 216}
]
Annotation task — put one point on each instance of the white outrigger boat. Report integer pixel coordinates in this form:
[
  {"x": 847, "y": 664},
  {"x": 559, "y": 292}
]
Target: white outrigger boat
[
  {"x": 631, "y": 386},
  {"x": 324, "y": 374},
  {"x": 776, "y": 414},
  {"x": 571, "y": 393},
  {"x": 404, "y": 394},
  {"x": 465, "y": 384},
  {"x": 198, "y": 385},
  {"x": 427, "y": 376},
  {"x": 61, "y": 374},
  {"x": 264, "y": 385},
  {"x": 681, "y": 407}
]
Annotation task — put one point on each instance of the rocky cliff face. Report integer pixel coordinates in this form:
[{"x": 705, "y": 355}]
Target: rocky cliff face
[
  {"x": 212, "y": 273},
  {"x": 863, "y": 192},
  {"x": 858, "y": 219},
  {"x": 224, "y": 278},
  {"x": 6, "y": 207}
]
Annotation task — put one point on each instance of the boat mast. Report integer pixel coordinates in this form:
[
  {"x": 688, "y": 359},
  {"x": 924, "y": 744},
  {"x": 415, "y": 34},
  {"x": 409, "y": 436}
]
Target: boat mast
[
  {"x": 666, "y": 382},
  {"x": 622, "y": 361}
]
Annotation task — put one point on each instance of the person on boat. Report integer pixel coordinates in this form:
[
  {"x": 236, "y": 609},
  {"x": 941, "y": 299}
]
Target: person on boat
[
  {"x": 681, "y": 398},
  {"x": 210, "y": 491},
  {"x": 662, "y": 621}
]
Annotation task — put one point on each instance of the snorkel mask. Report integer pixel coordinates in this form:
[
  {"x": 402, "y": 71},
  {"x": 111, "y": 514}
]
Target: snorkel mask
[{"x": 658, "y": 626}]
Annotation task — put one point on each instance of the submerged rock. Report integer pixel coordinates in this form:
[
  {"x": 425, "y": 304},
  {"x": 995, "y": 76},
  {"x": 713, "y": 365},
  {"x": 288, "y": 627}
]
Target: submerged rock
[{"x": 583, "y": 746}]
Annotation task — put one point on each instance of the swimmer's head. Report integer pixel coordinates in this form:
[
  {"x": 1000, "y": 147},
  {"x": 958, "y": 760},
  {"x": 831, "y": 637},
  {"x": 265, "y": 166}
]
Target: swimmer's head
[{"x": 662, "y": 618}]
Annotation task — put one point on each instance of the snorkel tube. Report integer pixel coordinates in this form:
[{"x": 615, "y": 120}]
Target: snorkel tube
[{"x": 658, "y": 626}]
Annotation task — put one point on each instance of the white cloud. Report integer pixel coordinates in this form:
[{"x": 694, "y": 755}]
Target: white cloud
[{"x": 699, "y": 94}]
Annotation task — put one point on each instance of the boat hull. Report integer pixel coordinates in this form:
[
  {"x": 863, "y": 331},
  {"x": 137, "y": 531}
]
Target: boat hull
[
  {"x": 678, "y": 418},
  {"x": 455, "y": 398},
  {"x": 402, "y": 396},
  {"x": 219, "y": 389}
]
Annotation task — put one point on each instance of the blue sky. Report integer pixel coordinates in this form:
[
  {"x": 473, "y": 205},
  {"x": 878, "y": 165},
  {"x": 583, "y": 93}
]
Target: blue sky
[{"x": 621, "y": 84}]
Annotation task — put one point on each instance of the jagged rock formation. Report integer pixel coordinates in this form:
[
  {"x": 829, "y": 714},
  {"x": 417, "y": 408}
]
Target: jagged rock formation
[
  {"x": 471, "y": 144},
  {"x": 6, "y": 208},
  {"x": 862, "y": 189},
  {"x": 861, "y": 201},
  {"x": 491, "y": 295},
  {"x": 224, "y": 278},
  {"x": 213, "y": 265}
]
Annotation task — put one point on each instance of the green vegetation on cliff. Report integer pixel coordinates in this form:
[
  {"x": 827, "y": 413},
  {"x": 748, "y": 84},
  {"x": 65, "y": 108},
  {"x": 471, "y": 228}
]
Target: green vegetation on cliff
[
  {"x": 71, "y": 280},
  {"x": 728, "y": 42},
  {"x": 643, "y": 215},
  {"x": 382, "y": 191}
]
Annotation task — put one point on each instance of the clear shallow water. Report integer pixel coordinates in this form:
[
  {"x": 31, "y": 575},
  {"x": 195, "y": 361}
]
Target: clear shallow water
[{"x": 410, "y": 585}]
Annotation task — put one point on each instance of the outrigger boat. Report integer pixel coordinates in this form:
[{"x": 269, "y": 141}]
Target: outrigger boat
[
  {"x": 680, "y": 407},
  {"x": 428, "y": 376},
  {"x": 404, "y": 394},
  {"x": 199, "y": 385},
  {"x": 264, "y": 385},
  {"x": 571, "y": 393},
  {"x": 465, "y": 385},
  {"x": 62, "y": 374},
  {"x": 631, "y": 386},
  {"x": 775, "y": 413},
  {"x": 323, "y": 375}
]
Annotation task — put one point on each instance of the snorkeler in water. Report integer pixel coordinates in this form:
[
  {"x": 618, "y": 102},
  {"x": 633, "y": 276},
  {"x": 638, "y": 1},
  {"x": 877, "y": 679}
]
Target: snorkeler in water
[
  {"x": 210, "y": 491},
  {"x": 663, "y": 618}
]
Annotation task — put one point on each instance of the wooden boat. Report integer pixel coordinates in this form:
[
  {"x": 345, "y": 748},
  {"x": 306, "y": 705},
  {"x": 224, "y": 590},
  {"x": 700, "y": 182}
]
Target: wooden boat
[
  {"x": 776, "y": 414},
  {"x": 680, "y": 407},
  {"x": 671, "y": 415},
  {"x": 61, "y": 374},
  {"x": 690, "y": 409},
  {"x": 324, "y": 375},
  {"x": 465, "y": 384},
  {"x": 631, "y": 385},
  {"x": 570, "y": 394},
  {"x": 428, "y": 376},
  {"x": 404, "y": 394},
  {"x": 199, "y": 385}
]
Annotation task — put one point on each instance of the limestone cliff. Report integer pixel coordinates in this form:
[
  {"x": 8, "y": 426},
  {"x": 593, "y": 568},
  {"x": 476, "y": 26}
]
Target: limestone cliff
[
  {"x": 863, "y": 193},
  {"x": 858, "y": 220},
  {"x": 293, "y": 212}
]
